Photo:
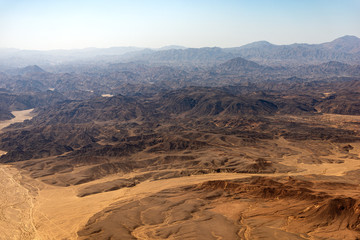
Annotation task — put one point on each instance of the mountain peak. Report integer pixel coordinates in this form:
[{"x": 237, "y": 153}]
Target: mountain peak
[
  {"x": 239, "y": 64},
  {"x": 258, "y": 44},
  {"x": 349, "y": 44},
  {"x": 32, "y": 69},
  {"x": 171, "y": 47},
  {"x": 348, "y": 38}
]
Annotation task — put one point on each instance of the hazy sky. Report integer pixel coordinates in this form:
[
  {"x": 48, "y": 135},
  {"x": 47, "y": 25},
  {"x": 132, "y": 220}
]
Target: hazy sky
[{"x": 66, "y": 24}]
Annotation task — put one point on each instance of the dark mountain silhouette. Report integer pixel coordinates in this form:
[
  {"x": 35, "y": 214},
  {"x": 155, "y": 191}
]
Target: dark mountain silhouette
[
  {"x": 34, "y": 69},
  {"x": 240, "y": 65},
  {"x": 31, "y": 69}
]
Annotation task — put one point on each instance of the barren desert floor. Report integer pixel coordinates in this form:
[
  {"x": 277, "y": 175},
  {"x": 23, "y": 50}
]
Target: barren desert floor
[{"x": 31, "y": 209}]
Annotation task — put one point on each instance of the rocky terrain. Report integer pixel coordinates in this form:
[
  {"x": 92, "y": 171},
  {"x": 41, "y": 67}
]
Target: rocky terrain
[
  {"x": 250, "y": 208},
  {"x": 184, "y": 144}
]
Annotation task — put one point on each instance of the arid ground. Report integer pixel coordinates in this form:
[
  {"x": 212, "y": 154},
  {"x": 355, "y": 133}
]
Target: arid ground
[{"x": 299, "y": 189}]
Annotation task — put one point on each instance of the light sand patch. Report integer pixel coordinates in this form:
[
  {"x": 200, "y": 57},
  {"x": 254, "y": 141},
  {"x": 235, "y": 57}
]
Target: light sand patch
[
  {"x": 107, "y": 95},
  {"x": 330, "y": 169},
  {"x": 20, "y": 116},
  {"x": 16, "y": 207},
  {"x": 60, "y": 213},
  {"x": 232, "y": 210}
]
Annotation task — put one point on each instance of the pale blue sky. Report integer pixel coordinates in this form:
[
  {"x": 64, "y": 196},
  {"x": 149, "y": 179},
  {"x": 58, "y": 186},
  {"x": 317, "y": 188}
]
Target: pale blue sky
[{"x": 67, "y": 24}]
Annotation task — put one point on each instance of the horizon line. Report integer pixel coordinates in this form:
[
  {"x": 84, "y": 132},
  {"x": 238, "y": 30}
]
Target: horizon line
[{"x": 159, "y": 48}]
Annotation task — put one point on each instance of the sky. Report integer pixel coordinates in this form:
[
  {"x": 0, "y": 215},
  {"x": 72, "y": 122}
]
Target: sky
[{"x": 74, "y": 24}]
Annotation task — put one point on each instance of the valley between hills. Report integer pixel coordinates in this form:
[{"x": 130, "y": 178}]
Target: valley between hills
[{"x": 164, "y": 145}]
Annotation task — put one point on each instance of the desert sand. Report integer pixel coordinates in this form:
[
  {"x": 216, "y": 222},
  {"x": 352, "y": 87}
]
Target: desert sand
[
  {"x": 58, "y": 213},
  {"x": 17, "y": 203},
  {"x": 20, "y": 116}
]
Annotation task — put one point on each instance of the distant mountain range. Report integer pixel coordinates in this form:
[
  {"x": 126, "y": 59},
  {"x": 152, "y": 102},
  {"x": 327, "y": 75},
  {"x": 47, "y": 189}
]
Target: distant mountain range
[
  {"x": 345, "y": 49},
  {"x": 130, "y": 70},
  {"x": 241, "y": 66}
]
